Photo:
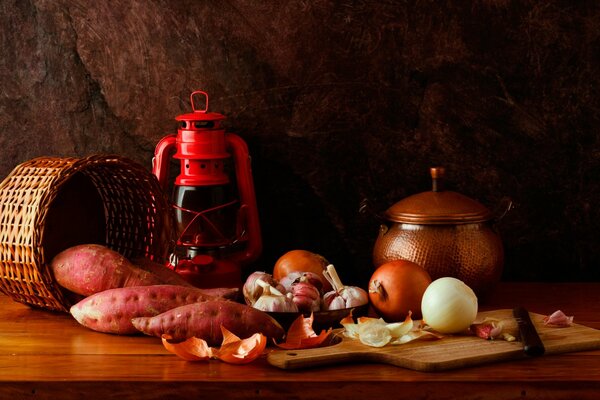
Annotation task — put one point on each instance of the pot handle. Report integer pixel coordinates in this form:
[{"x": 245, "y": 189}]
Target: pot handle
[
  {"x": 506, "y": 204},
  {"x": 366, "y": 208}
]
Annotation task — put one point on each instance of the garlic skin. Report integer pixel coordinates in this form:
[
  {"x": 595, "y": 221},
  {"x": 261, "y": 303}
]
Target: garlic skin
[
  {"x": 296, "y": 276},
  {"x": 272, "y": 300},
  {"x": 252, "y": 290},
  {"x": 341, "y": 296},
  {"x": 306, "y": 296},
  {"x": 449, "y": 305},
  {"x": 333, "y": 301}
]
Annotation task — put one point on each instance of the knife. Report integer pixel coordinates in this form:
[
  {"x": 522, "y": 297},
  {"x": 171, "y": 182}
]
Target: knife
[{"x": 532, "y": 344}]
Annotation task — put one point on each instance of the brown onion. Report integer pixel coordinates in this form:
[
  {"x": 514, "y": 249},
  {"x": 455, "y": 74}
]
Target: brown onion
[{"x": 396, "y": 288}]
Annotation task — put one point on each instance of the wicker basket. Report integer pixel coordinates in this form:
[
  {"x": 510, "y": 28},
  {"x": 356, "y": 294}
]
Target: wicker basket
[{"x": 50, "y": 204}]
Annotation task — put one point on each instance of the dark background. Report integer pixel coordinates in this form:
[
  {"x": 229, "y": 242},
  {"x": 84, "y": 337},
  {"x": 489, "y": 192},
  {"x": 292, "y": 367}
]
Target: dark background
[{"x": 338, "y": 101}]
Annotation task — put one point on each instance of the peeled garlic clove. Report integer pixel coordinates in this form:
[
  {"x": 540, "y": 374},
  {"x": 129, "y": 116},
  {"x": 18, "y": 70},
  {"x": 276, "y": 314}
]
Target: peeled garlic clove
[
  {"x": 273, "y": 300},
  {"x": 276, "y": 304},
  {"x": 558, "y": 319},
  {"x": 252, "y": 290}
]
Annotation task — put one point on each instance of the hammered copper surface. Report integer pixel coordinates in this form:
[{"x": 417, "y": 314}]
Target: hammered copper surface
[
  {"x": 432, "y": 208},
  {"x": 472, "y": 253},
  {"x": 338, "y": 100}
]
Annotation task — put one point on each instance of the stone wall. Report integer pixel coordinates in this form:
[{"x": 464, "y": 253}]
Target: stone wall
[{"x": 338, "y": 101}]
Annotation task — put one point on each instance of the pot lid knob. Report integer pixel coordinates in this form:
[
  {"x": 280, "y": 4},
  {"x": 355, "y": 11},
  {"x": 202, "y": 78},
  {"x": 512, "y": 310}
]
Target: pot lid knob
[
  {"x": 437, "y": 178},
  {"x": 438, "y": 206}
]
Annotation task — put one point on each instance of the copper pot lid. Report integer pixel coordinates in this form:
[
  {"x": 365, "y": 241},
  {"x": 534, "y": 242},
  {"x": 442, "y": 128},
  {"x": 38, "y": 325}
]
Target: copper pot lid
[{"x": 438, "y": 206}]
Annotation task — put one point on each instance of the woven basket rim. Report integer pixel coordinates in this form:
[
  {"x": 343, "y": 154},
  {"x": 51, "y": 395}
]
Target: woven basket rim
[{"x": 67, "y": 167}]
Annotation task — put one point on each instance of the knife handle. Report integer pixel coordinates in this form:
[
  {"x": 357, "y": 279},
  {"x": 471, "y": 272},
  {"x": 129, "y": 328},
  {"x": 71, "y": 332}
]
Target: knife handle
[{"x": 532, "y": 344}]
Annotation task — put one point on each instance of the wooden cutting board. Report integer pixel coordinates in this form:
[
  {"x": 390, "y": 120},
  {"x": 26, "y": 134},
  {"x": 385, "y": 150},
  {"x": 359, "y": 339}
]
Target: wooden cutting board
[{"x": 447, "y": 353}]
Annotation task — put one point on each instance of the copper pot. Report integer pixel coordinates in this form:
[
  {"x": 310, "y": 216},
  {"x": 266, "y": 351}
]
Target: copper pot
[{"x": 445, "y": 232}]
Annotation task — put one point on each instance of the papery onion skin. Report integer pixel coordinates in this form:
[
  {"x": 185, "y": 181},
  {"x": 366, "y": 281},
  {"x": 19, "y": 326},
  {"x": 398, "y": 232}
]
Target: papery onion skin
[{"x": 449, "y": 306}]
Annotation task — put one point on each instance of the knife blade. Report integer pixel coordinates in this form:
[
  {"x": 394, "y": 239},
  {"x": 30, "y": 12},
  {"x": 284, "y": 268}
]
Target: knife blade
[{"x": 532, "y": 344}]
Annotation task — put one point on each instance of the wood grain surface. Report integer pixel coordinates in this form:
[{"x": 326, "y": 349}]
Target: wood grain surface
[
  {"x": 46, "y": 355},
  {"x": 450, "y": 352}
]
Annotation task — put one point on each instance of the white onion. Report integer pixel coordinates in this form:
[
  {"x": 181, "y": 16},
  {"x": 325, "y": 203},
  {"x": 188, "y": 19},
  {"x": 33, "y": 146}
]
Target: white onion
[{"x": 449, "y": 305}]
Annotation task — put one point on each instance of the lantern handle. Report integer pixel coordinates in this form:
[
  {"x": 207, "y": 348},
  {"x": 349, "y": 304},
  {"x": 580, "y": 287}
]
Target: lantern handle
[{"x": 200, "y": 110}]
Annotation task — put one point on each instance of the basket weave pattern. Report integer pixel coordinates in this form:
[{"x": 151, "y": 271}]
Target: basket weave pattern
[{"x": 135, "y": 212}]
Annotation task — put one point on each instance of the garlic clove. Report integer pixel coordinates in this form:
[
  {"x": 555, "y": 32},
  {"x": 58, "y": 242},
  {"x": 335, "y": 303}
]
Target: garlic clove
[
  {"x": 272, "y": 300},
  {"x": 252, "y": 290},
  {"x": 558, "y": 319},
  {"x": 306, "y": 297},
  {"x": 296, "y": 276},
  {"x": 333, "y": 301},
  {"x": 355, "y": 296}
]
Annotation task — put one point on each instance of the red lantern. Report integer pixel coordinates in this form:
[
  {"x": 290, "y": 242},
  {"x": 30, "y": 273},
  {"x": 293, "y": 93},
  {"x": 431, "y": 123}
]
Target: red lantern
[{"x": 218, "y": 230}]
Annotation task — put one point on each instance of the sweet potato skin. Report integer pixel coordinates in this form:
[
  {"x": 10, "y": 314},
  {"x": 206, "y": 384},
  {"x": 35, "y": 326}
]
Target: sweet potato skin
[
  {"x": 171, "y": 277},
  {"x": 167, "y": 275},
  {"x": 204, "y": 320},
  {"x": 223, "y": 293},
  {"x": 111, "y": 311},
  {"x": 91, "y": 268}
]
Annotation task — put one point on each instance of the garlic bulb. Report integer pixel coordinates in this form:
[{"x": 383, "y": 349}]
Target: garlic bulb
[
  {"x": 449, "y": 305},
  {"x": 252, "y": 290},
  {"x": 272, "y": 300},
  {"x": 297, "y": 276},
  {"x": 306, "y": 296},
  {"x": 342, "y": 296}
]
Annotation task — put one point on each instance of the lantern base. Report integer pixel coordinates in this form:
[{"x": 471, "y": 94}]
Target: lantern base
[{"x": 203, "y": 271}]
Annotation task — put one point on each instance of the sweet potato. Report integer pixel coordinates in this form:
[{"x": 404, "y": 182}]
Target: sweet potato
[
  {"x": 167, "y": 275},
  {"x": 91, "y": 268},
  {"x": 204, "y": 320},
  {"x": 111, "y": 311},
  {"x": 224, "y": 293},
  {"x": 170, "y": 277}
]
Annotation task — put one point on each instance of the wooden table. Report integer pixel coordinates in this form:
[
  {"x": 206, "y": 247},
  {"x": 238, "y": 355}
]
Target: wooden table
[{"x": 48, "y": 355}]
